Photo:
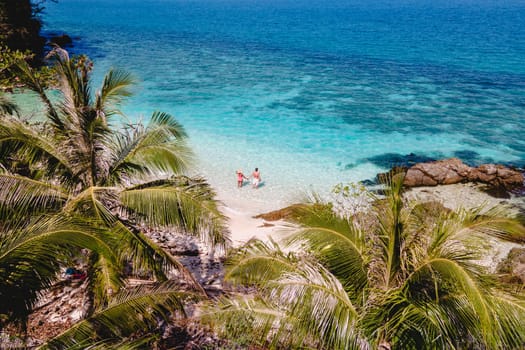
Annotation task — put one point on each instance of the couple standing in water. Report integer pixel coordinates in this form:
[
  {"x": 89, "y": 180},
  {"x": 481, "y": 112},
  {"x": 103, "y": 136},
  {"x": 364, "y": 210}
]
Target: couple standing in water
[{"x": 256, "y": 178}]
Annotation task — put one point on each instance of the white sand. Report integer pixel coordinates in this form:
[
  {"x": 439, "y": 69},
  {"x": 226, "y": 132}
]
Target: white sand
[
  {"x": 241, "y": 209},
  {"x": 244, "y": 226}
]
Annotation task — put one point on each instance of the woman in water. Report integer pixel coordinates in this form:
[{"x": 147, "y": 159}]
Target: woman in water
[{"x": 240, "y": 178}]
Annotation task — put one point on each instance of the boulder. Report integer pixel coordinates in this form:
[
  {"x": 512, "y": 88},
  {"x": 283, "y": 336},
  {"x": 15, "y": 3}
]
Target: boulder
[
  {"x": 416, "y": 177},
  {"x": 63, "y": 40},
  {"x": 280, "y": 214},
  {"x": 453, "y": 170}
]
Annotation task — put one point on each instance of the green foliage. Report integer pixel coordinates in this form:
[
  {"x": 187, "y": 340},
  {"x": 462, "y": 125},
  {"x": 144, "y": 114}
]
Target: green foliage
[
  {"x": 7, "y": 106},
  {"x": 132, "y": 314},
  {"x": 31, "y": 253},
  {"x": 19, "y": 25},
  {"x": 10, "y": 77},
  {"x": 113, "y": 180},
  {"x": 406, "y": 281}
]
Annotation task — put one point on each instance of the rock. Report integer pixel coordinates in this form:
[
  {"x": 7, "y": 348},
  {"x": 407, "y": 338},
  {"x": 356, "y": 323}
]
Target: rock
[
  {"x": 453, "y": 170},
  {"x": 281, "y": 214},
  {"x": 63, "y": 40},
  {"x": 416, "y": 177}
]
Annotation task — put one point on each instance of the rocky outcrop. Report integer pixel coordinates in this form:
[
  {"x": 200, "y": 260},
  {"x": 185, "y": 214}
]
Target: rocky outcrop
[
  {"x": 453, "y": 170},
  {"x": 280, "y": 214},
  {"x": 62, "y": 40}
]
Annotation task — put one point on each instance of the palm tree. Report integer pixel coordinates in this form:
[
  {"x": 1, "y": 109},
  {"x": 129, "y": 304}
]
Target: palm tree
[
  {"x": 31, "y": 254},
  {"x": 408, "y": 280},
  {"x": 128, "y": 322},
  {"x": 29, "y": 258},
  {"x": 114, "y": 179}
]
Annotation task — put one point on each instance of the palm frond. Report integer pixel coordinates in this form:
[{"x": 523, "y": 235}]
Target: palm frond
[
  {"x": 138, "y": 310},
  {"x": 30, "y": 257},
  {"x": 167, "y": 122},
  {"x": 105, "y": 279},
  {"x": 156, "y": 149},
  {"x": 114, "y": 89},
  {"x": 122, "y": 165},
  {"x": 448, "y": 278},
  {"x": 92, "y": 203},
  {"x": 28, "y": 77},
  {"x": 143, "y": 342},
  {"x": 319, "y": 302},
  {"x": 304, "y": 307},
  {"x": 509, "y": 316},
  {"x": 389, "y": 213},
  {"x": 73, "y": 80},
  {"x": 181, "y": 202},
  {"x": 337, "y": 242},
  {"x": 301, "y": 299},
  {"x": 7, "y": 106},
  {"x": 147, "y": 152},
  {"x": 258, "y": 262},
  {"x": 493, "y": 222},
  {"x": 20, "y": 196},
  {"x": 33, "y": 145},
  {"x": 164, "y": 158},
  {"x": 145, "y": 255},
  {"x": 250, "y": 322},
  {"x": 415, "y": 324}
]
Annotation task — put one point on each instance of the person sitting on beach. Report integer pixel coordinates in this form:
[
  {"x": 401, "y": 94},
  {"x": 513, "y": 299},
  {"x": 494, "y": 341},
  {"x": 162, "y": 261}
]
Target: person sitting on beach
[
  {"x": 240, "y": 178},
  {"x": 256, "y": 178}
]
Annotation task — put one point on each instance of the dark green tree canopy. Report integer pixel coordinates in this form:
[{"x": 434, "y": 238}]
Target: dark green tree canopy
[{"x": 20, "y": 26}]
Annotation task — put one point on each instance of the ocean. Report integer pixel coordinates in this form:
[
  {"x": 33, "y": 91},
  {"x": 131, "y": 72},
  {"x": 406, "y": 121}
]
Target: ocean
[{"x": 315, "y": 93}]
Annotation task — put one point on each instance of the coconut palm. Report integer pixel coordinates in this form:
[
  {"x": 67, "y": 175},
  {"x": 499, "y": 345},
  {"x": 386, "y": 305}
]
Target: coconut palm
[
  {"x": 31, "y": 253},
  {"x": 410, "y": 279},
  {"x": 129, "y": 321},
  {"x": 29, "y": 258},
  {"x": 116, "y": 179}
]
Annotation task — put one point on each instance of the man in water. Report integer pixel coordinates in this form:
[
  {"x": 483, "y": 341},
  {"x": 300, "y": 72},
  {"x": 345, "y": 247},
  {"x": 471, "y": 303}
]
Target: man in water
[{"x": 256, "y": 178}]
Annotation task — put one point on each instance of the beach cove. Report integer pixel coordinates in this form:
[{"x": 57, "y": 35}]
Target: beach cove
[
  {"x": 315, "y": 96},
  {"x": 387, "y": 208}
]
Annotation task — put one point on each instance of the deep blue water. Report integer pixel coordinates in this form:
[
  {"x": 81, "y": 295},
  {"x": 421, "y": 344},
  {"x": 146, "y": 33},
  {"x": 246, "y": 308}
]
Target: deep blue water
[{"x": 318, "y": 91}]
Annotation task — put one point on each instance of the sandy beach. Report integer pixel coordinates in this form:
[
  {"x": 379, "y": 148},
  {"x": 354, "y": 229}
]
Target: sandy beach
[{"x": 242, "y": 222}]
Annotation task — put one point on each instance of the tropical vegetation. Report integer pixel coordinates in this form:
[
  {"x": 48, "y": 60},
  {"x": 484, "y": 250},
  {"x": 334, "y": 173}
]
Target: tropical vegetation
[
  {"x": 76, "y": 180},
  {"x": 20, "y": 25},
  {"x": 403, "y": 276}
]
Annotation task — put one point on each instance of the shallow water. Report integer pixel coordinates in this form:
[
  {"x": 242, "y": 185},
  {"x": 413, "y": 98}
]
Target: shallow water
[{"x": 316, "y": 93}]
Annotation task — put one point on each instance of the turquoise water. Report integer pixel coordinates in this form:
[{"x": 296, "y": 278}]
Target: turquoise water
[{"x": 316, "y": 92}]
